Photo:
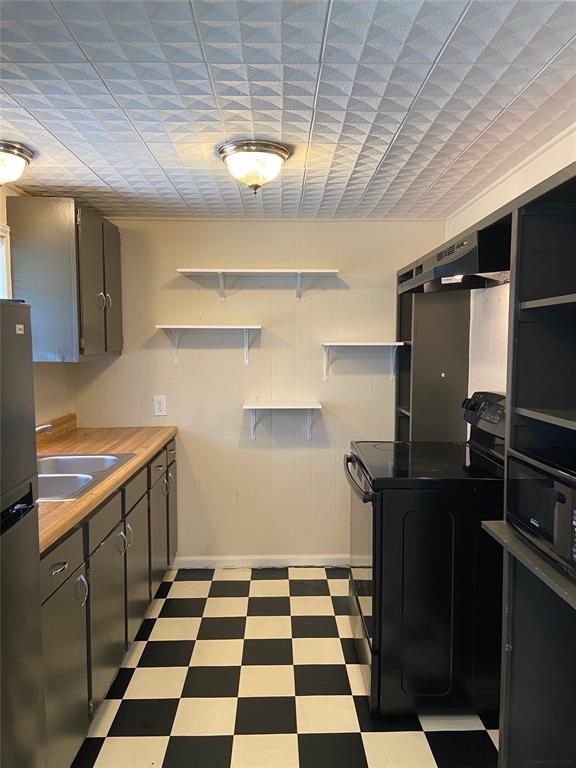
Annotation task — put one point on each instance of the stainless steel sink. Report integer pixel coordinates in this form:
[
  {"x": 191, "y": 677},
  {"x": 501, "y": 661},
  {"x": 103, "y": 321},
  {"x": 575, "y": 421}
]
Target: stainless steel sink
[
  {"x": 62, "y": 487},
  {"x": 74, "y": 464},
  {"x": 64, "y": 478}
]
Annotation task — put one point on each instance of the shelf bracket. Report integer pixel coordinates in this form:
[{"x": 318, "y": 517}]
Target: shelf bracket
[
  {"x": 309, "y": 417},
  {"x": 253, "y": 423},
  {"x": 176, "y": 342},
  {"x": 221, "y": 287},
  {"x": 326, "y": 351},
  {"x": 246, "y": 333},
  {"x": 298, "y": 286}
]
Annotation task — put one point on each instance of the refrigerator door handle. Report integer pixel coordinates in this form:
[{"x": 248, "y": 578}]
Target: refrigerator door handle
[{"x": 364, "y": 495}]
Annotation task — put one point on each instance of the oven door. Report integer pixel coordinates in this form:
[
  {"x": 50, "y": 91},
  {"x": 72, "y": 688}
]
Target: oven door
[{"x": 365, "y": 569}]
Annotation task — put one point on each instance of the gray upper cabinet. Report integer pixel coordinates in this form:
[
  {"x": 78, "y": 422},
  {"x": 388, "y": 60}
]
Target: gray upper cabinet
[{"x": 66, "y": 264}]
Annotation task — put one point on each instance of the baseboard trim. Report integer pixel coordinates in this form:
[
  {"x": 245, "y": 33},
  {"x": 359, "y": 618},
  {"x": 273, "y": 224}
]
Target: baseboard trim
[{"x": 261, "y": 561}]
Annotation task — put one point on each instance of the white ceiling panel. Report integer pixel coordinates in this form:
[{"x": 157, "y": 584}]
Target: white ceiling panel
[{"x": 393, "y": 108}]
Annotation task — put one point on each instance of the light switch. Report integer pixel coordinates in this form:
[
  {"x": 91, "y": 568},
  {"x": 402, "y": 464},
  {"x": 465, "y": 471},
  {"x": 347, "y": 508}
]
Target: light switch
[{"x": 160, "y": 405}]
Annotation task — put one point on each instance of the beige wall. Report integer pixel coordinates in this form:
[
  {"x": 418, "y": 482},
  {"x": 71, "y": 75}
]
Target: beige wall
[{"x": 280, "y": 496}]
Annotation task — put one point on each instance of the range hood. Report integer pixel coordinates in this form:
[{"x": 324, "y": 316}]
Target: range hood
[{"x": 477, "y": 260}]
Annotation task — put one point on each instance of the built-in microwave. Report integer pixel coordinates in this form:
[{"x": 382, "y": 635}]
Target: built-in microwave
[{"x": 543, "y": 507}]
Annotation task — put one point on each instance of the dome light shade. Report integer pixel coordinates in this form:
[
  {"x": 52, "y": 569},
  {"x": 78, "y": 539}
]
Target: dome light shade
[
  {"x": 14, "y": 158},
  {"x": 254, "y": 163}
]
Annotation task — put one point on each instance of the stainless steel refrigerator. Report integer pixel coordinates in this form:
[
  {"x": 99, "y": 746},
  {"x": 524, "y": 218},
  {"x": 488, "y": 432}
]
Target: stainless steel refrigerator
[{"x": 23, "y": 729}]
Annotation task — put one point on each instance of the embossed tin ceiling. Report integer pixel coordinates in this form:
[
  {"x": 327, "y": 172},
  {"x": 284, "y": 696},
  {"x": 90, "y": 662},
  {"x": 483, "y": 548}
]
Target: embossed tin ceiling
[{"x": 395, "y": 108}]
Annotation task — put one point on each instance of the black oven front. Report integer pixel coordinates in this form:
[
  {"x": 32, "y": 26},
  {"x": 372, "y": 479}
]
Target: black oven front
[{"x": 543, "y": 507}]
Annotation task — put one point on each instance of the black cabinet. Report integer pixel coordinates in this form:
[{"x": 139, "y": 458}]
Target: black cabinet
[
  {"x": 172, "y": 475},
  {"x": 64, "y": 640},
  {"x": 107, "y": 603},
  {"x": 158, "y": 532},
  {"x": 137, "y": 567},
  {"x": 66, "y": 263}
]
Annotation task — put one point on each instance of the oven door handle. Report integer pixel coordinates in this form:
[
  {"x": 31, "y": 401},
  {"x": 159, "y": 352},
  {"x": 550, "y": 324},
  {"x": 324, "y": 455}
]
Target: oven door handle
[{"x": 365, "y": 496}]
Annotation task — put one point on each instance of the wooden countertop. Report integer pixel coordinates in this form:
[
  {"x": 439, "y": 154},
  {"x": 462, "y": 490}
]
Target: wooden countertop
[{"x": 56, "y": 518}]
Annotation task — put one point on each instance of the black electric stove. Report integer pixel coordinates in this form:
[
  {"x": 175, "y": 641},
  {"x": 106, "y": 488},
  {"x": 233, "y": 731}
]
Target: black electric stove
[{"x": 425, "y": 588}]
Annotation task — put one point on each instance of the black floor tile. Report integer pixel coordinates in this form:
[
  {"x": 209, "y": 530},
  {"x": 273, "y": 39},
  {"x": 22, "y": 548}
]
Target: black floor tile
[
  {"x": 145, "y": 628},
  {"x": 321, "y": 680},
  {"x": 349, "y": 650},
  {"x": 87, "y": 753},
  {"x": 229, "y": 589},
  {"x": 269, "y": 606},
  {"x": 490, "y": 720},
  {"x": 121, "y": 682},
  {"x": 194, "y": 574},
  {"x": 331, "y": 750},
  {"x": 309, "y": 587},
  {"x": 274, "y": 714},
  {"x": 462, "y": 749},
  {"x": 183, "y": 607},
  {"x": 222, "y": 628},
  {"x": 163, "y": 590},
  {"x": 208, "y": 682},
  {"x": 341, "y": 605},
  {"x": 198, "y": 752},
  {"x": 314, "y": 626},
  {"x": 370, "y": 723},
  {"x": 269, "y": 573},
  {"x": 144, "y": 717},
  {"x": 267, "y": 652},
  {"x": 337, "y": 573},
  {"x": 167, "y": 653}
]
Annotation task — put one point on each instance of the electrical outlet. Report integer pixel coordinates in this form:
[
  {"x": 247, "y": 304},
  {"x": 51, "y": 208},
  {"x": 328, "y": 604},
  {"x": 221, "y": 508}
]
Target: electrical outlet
[{"x": 160, "y": 405}]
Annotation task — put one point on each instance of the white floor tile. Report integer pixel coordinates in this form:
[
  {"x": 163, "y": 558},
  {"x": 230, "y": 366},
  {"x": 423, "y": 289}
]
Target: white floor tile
[
  {"x": 190, "y": 589},
  {"x": 132, "y": 752},
  {"x": 156, "y": 683},
  {"x": 175, "y": 629},
  {"x": 344, "y": 626},
  {"x": 226, "y": 606},
  {"x": 495, "y": 736},
  {"x": 449, "y": 722},
  {"x": 317, "y": 650},
  {"x": 306, "y": 573},
  {"x": 326, "y": 714},
  {"x": 359, "y": 677},
  {"x": 103, "y": 718},
  {"x": 338, "y": 587},
  {"x": 275, "y": 751},
  {"x": 170, "y": 575},
  {"x": 268, "y": 627},
  {"x": 205, "y": 717},
  {"x": 398, "y": 750},
  {"x": 270, "y": 588},
  {"x": 217, "y": 653},
  {"x": 133, "y": 654},
  {"x": 154, "y": 609},
  {"x": 311, "y": 606},
  {"x": 262, "y": 680},
  {"x": 232, "y": 574}
]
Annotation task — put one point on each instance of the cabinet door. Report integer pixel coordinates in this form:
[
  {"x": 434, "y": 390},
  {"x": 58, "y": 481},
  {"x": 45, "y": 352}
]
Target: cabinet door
[
  {"x": 91, "y": 282},
  {"x": 107, "y": 630},
  {"x": 112, "y": 287},
  {"x": 172, "y": 512},
  {"x": 158, "y": 533},
  {"x": 137, "y": 567},
  {"x": 66, "y": 669}
]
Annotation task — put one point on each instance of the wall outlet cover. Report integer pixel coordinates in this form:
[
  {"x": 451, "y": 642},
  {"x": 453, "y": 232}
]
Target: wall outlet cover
[{"x": 160, "y": 408}]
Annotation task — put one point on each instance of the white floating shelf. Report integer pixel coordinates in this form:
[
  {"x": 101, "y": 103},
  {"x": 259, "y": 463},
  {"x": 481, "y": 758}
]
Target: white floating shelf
[
  {"x": 176, "y": 332},
  {"x": 326, "y": 345},
  {"x": 284, "y": 405},
  {"x": 223, "y": 271}
]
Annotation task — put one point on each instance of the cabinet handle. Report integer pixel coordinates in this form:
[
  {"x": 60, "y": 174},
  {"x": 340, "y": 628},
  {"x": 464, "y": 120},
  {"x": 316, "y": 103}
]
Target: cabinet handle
[
  {"x": 131, "y": 541},
  {"x": 122, "y": 535},
  {"x": 108, "y": 306},
  {"x": 59, "y": 568},
  {"x": 171, "y": 450},
  {"x": 166, "y": 490},
  {"x": 82, "y": 580},
  {"x": 103, "y": 297},
  {"x": 159, "y": 466}
]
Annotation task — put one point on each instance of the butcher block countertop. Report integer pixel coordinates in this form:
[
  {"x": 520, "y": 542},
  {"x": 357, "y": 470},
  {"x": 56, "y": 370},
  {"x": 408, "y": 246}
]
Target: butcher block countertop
[{"x": 56, "y": 518}]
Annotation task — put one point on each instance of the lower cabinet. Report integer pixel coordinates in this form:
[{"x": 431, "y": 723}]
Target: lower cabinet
[
  {"x": 158, "y": 532},
  {"x": 107, "y": 628},
  {"x": 172, "y": 512},
  {"x": 66, "y": 668},
  {"x": 137, "y": 567}
]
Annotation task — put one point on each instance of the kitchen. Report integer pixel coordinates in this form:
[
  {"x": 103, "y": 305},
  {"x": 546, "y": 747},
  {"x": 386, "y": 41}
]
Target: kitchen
[{"x": 208, "y": 584}]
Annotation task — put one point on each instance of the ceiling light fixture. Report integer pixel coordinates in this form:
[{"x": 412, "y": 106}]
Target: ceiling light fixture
[
  {"x": 14, "y": 158},
  {"x": 254, "y": 163}
]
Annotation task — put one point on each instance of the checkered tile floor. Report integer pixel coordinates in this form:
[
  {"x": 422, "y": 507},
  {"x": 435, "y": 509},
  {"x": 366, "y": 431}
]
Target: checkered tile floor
[{"x": 257, "y": 669}]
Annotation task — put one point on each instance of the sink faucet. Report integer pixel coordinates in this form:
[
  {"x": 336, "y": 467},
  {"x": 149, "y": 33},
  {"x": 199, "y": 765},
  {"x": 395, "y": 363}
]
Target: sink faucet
[{"x": 44, "y": 428}]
